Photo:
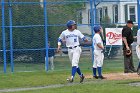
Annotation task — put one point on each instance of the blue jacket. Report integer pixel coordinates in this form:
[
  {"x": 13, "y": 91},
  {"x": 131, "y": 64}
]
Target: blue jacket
[{"x": 51, "y": 52}]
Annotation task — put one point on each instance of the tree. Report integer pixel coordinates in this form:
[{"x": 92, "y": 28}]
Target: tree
[
  {"x": 60, "y": 14},
  {"x": 25, "y": 36}
]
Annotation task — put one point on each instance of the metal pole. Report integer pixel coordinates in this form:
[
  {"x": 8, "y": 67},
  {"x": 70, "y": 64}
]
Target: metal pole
[
  {"x": 94, "y": 12},
  {"x": 138, "y": 7},
  {"x": 3, "y": 35},
  {"x": 11, "y": 35},
  {"x": 92, "y": 24},
  {"x": 46, "y": 33}
]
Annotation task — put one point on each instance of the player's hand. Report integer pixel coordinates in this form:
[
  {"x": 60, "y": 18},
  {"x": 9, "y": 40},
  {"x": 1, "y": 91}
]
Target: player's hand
[
  {"x": 86, "y": 40},
  {"x": 134, "y": 36},
  {"x": 103, "y": 51},
  {"x": 58, "y": 50},
  {"x": 127, "y": 48}
]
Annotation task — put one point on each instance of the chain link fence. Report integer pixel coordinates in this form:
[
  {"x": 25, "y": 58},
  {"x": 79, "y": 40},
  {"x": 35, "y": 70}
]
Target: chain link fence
[{"x": 25, "y": 36}]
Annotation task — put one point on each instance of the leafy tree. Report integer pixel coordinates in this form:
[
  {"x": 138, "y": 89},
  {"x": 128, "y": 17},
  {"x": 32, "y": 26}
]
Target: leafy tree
[
  {"x": 60, "y": 14},
  {"x": 25, "y": 36}
]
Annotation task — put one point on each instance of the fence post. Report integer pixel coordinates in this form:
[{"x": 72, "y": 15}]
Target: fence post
[
  {"x": 11, "y": 35},
  {"x": 3, "y": 34},
  {"x": 138, "y": 7},
  {"x": 92, "y": 24},
  {"x": 46, "y": 33}
]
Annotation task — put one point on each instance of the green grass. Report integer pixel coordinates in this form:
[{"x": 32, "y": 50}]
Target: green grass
[
  {"x": 93, "y": 87},
  {"x": 30, "y": 79},
  {"x": 62, "y": 71},
  {"x": 35, "y": 79}
]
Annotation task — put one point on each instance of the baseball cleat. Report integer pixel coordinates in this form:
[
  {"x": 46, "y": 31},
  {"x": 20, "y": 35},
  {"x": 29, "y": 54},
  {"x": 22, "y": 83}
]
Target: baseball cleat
[
  {"x": 82, "y": 78},
  {"x": 134, "y": 70},
  {"x": 96, "y": 77},
  {"x": 129, "y": 71},
  {"x": 101, "y": 77},
  {"x": 138, "y": 71},
  {"x": 70, "y": 80}
]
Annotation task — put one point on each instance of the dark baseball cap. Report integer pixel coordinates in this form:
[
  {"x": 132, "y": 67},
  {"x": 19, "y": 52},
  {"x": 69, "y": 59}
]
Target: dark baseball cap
[{"x": 130, "y": 22}]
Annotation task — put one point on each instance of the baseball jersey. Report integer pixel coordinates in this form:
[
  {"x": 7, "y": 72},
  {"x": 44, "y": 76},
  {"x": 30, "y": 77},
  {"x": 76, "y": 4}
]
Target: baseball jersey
[
  {"x": 96, "y": 40},
  {"x": 138, "y": 37},
  {"x": 71, "y": 37}
]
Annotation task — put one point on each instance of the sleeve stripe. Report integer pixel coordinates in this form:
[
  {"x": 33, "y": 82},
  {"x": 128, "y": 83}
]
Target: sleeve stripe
[
  {"x": 59, "y": 40},
  {"x": 84, "y": 38}
]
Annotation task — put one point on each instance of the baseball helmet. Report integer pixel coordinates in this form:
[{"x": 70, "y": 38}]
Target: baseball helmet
[
  {"x": 70, "y": 23},
  {"x": 97, "y": 28}
]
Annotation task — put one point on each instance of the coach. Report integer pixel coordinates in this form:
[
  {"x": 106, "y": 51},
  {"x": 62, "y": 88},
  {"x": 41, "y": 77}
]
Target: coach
[{"x": 127, "y": 38}]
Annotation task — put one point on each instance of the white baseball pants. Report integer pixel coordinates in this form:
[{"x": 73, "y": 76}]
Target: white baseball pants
[
  {"x": 98, "y": 58},
  {"x": 74, "y": 55},
  {"x": 138, "y": 51}
]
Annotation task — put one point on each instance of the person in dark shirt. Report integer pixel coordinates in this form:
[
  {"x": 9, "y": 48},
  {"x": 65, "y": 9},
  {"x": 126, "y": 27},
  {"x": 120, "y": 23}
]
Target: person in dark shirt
[
  {"x": 51, "y": 54},
  {"x": 127, "y": 38}
]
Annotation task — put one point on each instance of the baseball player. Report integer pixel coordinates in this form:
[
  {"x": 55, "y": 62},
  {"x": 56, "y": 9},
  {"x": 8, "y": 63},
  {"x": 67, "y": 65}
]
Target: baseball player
[
  {"x": 138, "y": 50},
  {"x": 98, "y": 53},
  {"x": 71, "y": 37}
]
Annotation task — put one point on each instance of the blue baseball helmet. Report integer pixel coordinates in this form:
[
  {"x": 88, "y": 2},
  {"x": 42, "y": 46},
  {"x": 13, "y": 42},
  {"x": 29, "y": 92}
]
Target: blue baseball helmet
[
  {"x": 97, "y": 28},
  {"x": 70, "y": 23}
]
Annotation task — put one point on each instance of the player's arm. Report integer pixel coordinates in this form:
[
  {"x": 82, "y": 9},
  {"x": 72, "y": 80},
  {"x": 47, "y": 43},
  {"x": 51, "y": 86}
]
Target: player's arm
[
  {"x": 125, "y": 33},
  {"x": 100, "y": 46},
  {"x": 125, "y": 42},
  {"x": 99, "y": 42},
  {"x": 60, "y": 42},
  {"x": 83, "y": 37}
]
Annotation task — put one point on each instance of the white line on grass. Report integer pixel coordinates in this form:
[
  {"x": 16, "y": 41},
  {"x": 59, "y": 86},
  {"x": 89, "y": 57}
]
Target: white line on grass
[{"x": 44, "y": 87}]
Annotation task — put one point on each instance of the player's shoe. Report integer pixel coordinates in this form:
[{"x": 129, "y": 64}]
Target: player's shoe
[
  {"x": 101, "y": 77},
  {"x": 82, "y": 78},
  {"x": 70, "y": 80},
  {"x": 128, "y": 71},
  {"x": 138, "y": 71},
  {"x": 96, "y": 77},
  {"x": 134, "y": 70}
]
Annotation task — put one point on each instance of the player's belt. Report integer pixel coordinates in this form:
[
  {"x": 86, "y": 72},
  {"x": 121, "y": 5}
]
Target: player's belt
[{"x": 72, "y": 47}]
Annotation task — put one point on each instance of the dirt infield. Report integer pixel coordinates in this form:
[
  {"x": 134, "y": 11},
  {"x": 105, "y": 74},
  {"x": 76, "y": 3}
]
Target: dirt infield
[{"x": 119, "y": 76}]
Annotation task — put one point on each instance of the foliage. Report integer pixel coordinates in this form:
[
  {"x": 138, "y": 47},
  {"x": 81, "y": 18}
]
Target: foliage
[
  {"x": 60, "y": 14},
  {"x": 26, "y": 36}
]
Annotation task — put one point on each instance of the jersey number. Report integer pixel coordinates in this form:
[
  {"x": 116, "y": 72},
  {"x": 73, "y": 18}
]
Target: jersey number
[{"x": 75, "y": 40}]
